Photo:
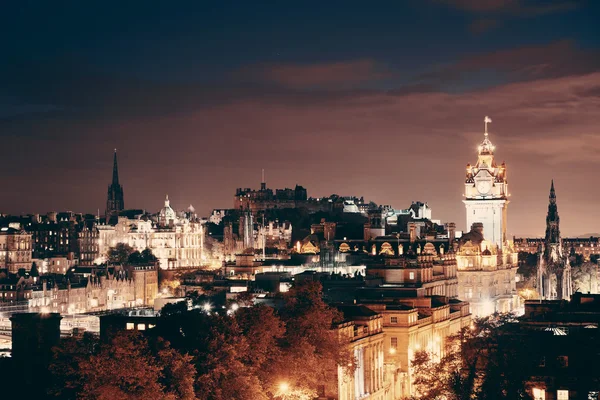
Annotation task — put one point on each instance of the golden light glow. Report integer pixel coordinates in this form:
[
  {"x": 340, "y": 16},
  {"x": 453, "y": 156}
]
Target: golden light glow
[{"x": 284, "y": 387}]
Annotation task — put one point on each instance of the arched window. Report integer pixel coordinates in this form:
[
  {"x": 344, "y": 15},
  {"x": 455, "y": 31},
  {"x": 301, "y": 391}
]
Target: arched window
[{"x": 386, "y": 249}]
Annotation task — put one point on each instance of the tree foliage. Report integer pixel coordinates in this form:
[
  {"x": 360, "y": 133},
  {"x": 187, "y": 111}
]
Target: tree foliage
[
  {"x": 144, "y": 257},
  {"x": 480, "y": 362},
  {"x": 245, "y": 354},
  {"x": 129, "y": 366},
  {"x": 220, "y": 352},
  {"x": 585, "y": 277},
  {"x": 119, "y": 254}
]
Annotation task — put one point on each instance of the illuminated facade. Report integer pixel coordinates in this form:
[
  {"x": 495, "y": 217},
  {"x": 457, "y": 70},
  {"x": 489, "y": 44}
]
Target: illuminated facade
[
  {"x": 588, "y": 248},
  {"x": 15, "y": 249},
  {"x": 363, "y": 328},
  {"x": 413, "y": 324},
  {"x": 176, "y": 241},
  {"x": 486, "y": 275},
  {"x": 137, "y": 287},
  {"x": 486, "y": 193},
  {"x": 487, "y": 262}
]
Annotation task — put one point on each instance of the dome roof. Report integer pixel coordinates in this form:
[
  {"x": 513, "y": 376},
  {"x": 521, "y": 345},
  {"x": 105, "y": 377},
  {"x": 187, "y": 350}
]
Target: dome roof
[{"x": 166, "y": 213}]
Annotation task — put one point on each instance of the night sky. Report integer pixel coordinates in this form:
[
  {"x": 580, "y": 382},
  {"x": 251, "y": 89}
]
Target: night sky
[{"x": 378, "y": 99}]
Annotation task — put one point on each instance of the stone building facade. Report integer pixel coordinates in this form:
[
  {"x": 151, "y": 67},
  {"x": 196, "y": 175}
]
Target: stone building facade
[
  {"x": 411, "y": 324},
  {"x": 15, "y": 249},
  {"x": 486, "y": 275},
  {"x": 363, "y": 329}
]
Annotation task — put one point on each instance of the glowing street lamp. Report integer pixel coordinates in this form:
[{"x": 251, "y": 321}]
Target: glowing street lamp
[
  {"x": 284, "y": 387},
  {"x": 207, "y": 307}
]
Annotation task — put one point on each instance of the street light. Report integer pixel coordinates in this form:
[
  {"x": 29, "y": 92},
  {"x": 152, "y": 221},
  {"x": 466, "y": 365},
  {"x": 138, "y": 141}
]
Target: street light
[{"x": 284, "y": 387}]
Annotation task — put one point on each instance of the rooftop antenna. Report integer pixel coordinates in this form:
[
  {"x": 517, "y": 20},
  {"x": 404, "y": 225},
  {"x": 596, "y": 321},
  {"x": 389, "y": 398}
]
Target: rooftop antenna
[{"x": 263, "y": 184}]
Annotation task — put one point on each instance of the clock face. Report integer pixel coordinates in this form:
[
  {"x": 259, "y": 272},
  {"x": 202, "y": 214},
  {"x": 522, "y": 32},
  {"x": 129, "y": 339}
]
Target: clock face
[{"x": 484, "y": 187}]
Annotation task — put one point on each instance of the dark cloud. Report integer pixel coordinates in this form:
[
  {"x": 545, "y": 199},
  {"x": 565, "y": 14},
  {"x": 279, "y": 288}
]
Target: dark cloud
[
  {"x": 483, "y": 25},
  {"x": 336, "y": 75},
  {"x": 553, "y": 60},
  {"x": 519, "y": 8}
]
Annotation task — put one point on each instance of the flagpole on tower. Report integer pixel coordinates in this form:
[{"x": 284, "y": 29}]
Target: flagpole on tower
[{"x": 486, "y": 121}]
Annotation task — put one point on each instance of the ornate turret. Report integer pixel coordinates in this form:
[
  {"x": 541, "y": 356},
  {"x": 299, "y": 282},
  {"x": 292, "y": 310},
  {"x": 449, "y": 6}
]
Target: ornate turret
[
  {"x": 114, "y": 201},
  {"x": 486, "y": 147}
]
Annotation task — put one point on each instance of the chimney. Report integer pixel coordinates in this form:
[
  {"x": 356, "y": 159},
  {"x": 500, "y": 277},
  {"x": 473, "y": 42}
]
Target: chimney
[
  {"x": 451, "y": 231},
  {"x": 477, "y": 227},
  {"x": 412, "y": 228}
]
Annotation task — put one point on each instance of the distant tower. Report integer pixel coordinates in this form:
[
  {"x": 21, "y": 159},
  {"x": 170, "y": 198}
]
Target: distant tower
[
  {"x": 486, "y": 193},
  {"x": 114, "y": 201},
  {"x": 246, "y": 229},
  {"x": 554, "y": 271},
  {"x": 263, "y": 184}
]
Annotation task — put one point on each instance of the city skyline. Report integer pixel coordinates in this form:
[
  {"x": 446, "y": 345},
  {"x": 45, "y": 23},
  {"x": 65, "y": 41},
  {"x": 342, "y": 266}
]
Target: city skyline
[{"x": 374, "y": 106}]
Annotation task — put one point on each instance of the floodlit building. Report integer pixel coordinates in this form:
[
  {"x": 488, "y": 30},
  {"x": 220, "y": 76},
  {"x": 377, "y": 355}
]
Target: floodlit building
[
  {"x": 15, "y": 249},
  {"x": 486, "y": 259},
  {"x": 363, "y": 328}
]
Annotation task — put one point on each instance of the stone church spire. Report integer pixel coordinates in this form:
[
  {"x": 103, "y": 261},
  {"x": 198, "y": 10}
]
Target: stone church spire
[
  {"x": 115, "y": 179},
  {"x": 114, "y": 200}
]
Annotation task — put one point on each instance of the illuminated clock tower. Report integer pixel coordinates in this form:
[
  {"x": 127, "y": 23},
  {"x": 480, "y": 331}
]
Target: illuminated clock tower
[{"x": 486, "y": 193}]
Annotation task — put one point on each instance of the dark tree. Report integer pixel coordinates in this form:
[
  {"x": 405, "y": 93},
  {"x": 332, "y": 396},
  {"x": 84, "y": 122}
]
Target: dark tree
[
  {"x": 127, "y": 367},
  {"x": 119, "y": 254}
]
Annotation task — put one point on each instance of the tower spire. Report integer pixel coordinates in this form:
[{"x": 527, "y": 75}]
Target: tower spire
[
  {"x": 486, "y": 147},
  {"x": 115, "y": 179},
  {"x": 263, "y": 184},
  {"x": 486, "y": 121},
  {"x": 114, "y": 201},
  {"x": 552, "y": 192}
]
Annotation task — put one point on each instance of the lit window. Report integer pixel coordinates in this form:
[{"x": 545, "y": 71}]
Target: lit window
[
  {"x": 130, "y": 326},
  {"x": 562, "y": 395},
  {"x": 141, "y": 327},
  {"x": 411, "y": 275},
  {"x": 394, "y": 320},
  {"x": 539, "y": 394}
]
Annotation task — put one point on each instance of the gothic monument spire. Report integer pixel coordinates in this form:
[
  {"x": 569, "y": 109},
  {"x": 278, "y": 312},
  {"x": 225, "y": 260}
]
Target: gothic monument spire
[
  {"x": 554, "y": 271},
  {"x": 115, "y": 179},
  {"x": 114, "y": 201}
]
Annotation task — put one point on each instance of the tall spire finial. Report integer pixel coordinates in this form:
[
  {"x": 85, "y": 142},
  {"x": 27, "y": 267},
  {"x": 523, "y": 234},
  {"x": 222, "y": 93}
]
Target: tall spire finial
[
  {"x": 263, "y": 184},
  {"x": 486, "y": 121},
  {"x": 115, "y": 179},
  {"x": 552, "y": 192}
]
